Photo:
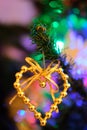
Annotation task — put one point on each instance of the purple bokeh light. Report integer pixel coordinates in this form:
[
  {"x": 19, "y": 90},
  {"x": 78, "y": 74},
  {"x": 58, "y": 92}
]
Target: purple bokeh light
[{"x": 26, "y": 42}]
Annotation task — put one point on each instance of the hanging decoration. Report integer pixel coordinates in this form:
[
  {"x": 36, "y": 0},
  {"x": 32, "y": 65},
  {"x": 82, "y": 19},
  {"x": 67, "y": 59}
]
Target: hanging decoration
[{"x": 43, "y": 75}]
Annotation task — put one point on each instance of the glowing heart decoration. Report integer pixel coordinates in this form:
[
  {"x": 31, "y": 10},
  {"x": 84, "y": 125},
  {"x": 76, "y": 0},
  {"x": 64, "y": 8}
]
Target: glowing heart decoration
[{"x": 39, "y": 72}]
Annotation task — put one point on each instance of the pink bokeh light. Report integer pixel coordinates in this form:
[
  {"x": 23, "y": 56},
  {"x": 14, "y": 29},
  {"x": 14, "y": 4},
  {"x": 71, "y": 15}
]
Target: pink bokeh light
[
  {"x": 85, "y": 82},
  {"x": 20, "y": 12},
  {"x": 13, "y": 53}
]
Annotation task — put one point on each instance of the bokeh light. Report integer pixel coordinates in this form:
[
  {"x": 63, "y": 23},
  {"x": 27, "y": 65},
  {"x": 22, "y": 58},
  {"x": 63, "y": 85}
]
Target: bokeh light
[{"x": 59, "y": 45}]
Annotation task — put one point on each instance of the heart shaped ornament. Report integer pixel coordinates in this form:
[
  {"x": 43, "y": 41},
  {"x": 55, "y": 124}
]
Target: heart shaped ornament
[{"x": 39, "y": 72}]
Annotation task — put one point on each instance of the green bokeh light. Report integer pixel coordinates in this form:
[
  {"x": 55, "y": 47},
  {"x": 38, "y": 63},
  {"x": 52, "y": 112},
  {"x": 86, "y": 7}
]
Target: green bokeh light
[
  {"x": 82, "y": 23},
  {"x": 55, "y": 24},
  {"x": 59, "y": 11},
  {"x": 59, "y": 45},
  {"x": 53, "y": 4}
]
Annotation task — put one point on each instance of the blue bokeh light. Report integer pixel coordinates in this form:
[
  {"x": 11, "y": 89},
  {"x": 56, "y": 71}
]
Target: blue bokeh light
[
  {"x": 85, "y": 127},
  {"x": 21, "y": 112},
  {"x": 79, "y": 102},
  {"x": 67, "y": 102},
  {"x": 52, "y": 122}
]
